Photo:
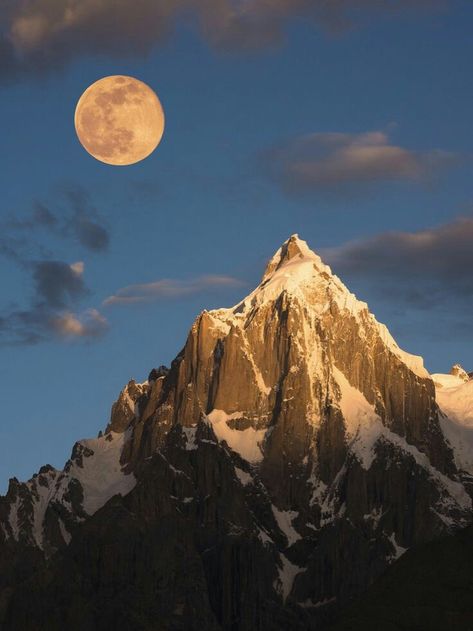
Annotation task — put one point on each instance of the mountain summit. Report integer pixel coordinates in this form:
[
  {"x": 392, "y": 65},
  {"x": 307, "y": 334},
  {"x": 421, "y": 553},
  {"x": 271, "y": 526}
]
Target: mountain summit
[{"x": 288, "y": 456}]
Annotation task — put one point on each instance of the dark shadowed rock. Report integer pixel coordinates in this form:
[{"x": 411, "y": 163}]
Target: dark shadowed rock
[
  {"x": 430, "y": 588},
  {"x": 156, "y": 373}
]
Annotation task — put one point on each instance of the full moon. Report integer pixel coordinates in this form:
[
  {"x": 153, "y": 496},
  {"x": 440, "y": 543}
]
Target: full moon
[{"x": 119, "y": 120}]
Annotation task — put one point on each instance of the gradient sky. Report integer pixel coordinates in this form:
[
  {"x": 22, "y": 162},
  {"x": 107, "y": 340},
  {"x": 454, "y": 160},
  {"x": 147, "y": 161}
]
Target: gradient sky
[{"x": 352, "y": 129}]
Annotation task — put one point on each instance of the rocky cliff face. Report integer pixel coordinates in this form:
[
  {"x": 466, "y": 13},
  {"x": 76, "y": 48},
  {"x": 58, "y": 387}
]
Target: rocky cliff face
[{"x": 288, "y": 456}]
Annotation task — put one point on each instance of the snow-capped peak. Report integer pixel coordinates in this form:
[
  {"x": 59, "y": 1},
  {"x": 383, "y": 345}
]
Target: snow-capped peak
[
  {"x": 293, "y": 250},
  {"x": 301, "y": 274},
  {"x": 458, "y": 371}
]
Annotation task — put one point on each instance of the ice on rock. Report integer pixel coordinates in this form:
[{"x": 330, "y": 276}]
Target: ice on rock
[
  {"x": 95, "y": 467},
  {"x": 101, "y": 474},
  {"x": 455, "y": 398},
  {"x": 284, "y": 520},
  {"x": 246, "y": 443}
]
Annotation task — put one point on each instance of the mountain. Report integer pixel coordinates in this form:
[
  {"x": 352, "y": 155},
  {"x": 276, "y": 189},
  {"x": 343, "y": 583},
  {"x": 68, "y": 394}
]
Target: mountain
[{"x": 290, "y": 454}]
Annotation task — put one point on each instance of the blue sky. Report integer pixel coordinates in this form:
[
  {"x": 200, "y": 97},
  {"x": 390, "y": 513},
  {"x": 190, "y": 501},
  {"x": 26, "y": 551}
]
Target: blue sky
[{"x": 224, "y": 189}]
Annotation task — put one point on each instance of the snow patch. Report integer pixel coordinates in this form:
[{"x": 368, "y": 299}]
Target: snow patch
[
  {"x": 64, "y": 532},
  {"x": 365, "y": 428},
  {"x": 284, "y": 519},
  {"x": 264, "y": 538},
  {"x": 363, "y": 425},
  {"x": 244, "y": 442},
  {"x": 13, "y": 520},
  {"x": 244, "y": 477},
  {"x": 398, "y": 550},
  {"x": 456, "y": 403},
  {"x": 43, "y": 495},
  {"x": 101, "y": 475},
  {"x": 446, "y": 381},
  {"x": 287, "y": 573},
  {"x": 37, "y": 501}
]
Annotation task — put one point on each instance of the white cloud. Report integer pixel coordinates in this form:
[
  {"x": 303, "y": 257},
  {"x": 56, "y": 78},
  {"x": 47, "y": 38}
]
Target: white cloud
[
  {"x": 78, "y": 268},
  {"x": 91, "y": 323},
  {"x": 169, "y": 288}
]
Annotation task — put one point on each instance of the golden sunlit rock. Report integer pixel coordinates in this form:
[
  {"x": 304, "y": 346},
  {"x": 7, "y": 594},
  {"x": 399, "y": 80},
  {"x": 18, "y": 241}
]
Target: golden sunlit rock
[{"x": 119, "y": 120}]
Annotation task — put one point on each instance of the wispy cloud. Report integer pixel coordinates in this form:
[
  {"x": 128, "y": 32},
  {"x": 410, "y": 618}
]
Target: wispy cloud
[
  {"x": 45, "y": 34},
  {"x": 84, "y": 222},
  {"x": 169, "y": 288},
  {"x": 426, "y": 269},
  {"x": 75, "y": 218},
  {"x": 57, "y": 287},
  {"x": 324, "y": 162}
]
